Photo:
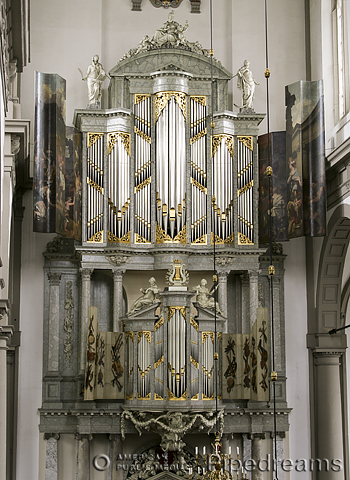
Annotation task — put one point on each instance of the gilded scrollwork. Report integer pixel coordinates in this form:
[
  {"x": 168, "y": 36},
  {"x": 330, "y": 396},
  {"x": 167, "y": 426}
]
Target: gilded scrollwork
[
  {"x": 97, "y": 237},
  {"x": 146, "y": 334},
  {"x": 181, "y": 237},
  {"x": 92, "y": 138},
  {"x": 246, "y": 140},
  {"x": 142, "y": 135},
  {"x": 198, "y": 136},
  {"x": 140, "y": 97},
  {"x": 162, "y": 236},
  {"x": 198, "y": 185},
  {"x": 244, "y": 240},
  {"x": 143, "y": 184},
  {"x": 113, "y": 138},
  {"x": 94, "y": 185}
]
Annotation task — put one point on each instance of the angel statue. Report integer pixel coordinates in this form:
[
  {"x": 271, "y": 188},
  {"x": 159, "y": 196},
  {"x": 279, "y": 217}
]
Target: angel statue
[
  {"x": 246, "y": 82},
  {"x": 95, "y": 75},
  {"x": 204, "y": 296},
  {"x": 148, "y": 297}
]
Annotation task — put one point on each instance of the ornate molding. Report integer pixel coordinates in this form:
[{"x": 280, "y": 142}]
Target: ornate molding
[
  {"x": 68, "y": 322},
  {"x": 55, "y": 436},
  {"x": 117, "y": 260},
  {"x": 54, "y": 278}
]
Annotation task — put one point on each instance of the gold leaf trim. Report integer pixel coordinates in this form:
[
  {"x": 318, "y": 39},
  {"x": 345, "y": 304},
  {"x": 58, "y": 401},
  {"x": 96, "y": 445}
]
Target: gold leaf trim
[
  {"x": 216, "y": 140},
  {"x": 97, "y": 237},
  {"x": 144, "y": 373},
  {"x": 247, "y": 141},
  {"x": 93, "y": 138},
  {"x": 129, "y": 397},
  {"x": 94, "y": 185},
  {"x": 230, "y": 239},
  {"x": 194, "y": 324},
  {"x": 181, "y": 101},
  {"x": 112, "y": 140},
  {"x": 181, "y": 237},
  {"x": 171, "y": 396},
  {"x": 193, "y": 361},
  {"x": 198, "y": 136},
  {"x": 206, "y": 335},
  {"x": 158, "y": 397},
  {"x": 171, "y": 311},
  {"x": 201, "y": 99},
  {"x": 148, "y": 397},
  {"x": 198, "y": 185},
  {"x": 147, "y": 335},
  {"x": 141, "y": 134},
  {"x": 245, "y": 188},
  {"x": 162, "y": 236},
  {"x": 143, "y": 184},
  {"x": 161, "y": 100},
  {"x": 129, "y": 335},
  {"x": 114, "y": 239},
  {"x": 205, "y": 397},
  {"x": 218, "y": 240},
  {"x": 140, "y": 97},
  {"x": 159, "y": 324},
  {"x": 159, "y": 361},
  {"x": 243, "y": 240},
  {"x": 140, "y": 239},
  {"x": 195, "y": 397},
  {"x": 200, "y": 240}
]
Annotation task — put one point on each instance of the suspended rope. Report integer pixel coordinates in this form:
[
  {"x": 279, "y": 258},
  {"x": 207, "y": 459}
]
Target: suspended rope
[{"x": 271, "y": 267}]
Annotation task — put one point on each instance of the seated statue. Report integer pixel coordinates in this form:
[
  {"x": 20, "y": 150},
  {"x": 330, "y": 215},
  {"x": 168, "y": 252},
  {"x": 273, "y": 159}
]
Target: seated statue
[
  {"x": 148, "y": 296},
  {"x": 204, "y": 296}
]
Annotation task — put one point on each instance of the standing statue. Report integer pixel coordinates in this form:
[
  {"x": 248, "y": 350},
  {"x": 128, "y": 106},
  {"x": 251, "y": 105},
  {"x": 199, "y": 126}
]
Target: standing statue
[
  {"x": 204, "y": 296},
  {"x": 246, "y": 82},
  {"x": 95, "y": 75},
  {"x": 148, "y": 297}
]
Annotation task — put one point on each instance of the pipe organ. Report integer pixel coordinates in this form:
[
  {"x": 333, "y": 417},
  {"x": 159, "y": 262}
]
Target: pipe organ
[
  {"x": 170, "y": 122},
  {"x": 95, "y": 190},
  {"x": 142, "y": 191},
  {"x": 245, "y": 186},
  {"x": 118, "y": 187},
  {"x": 198, "y": 142}
]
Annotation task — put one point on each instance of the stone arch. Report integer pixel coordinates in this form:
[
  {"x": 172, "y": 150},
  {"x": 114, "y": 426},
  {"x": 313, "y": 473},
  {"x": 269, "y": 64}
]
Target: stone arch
[{"x": 330, "y": 302}]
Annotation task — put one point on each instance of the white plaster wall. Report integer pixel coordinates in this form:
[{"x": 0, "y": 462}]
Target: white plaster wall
[
  {"x": 29, "y": 441},
  {"x": 296, "y": 353}
]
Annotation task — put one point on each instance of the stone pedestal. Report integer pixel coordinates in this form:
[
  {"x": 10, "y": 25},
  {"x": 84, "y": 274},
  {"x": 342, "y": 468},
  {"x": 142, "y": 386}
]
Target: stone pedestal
[
  {"x": 117, "y": 299},
  {"x": 54, "y": 319},
  {"x": 83, "y": 457},
  {"x": 84, "y": 314},
  {"x": 51, "y": 456}
]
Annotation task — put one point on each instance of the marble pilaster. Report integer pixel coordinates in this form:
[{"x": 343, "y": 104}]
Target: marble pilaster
[
  {"x": 83, "y": 457},
  {"x": 247, "y": 451},
  {"x": 253, "y": 295},
  {"x": 54, "y": 318},
  {"x": 5, "y": 333},
  {"x": 245, "y": 304},
  {"x": 117, "y": 299},
  {"x": 256, "y": 456},
  {"x": 84, "y": 312},
  {"x": 280, "y": 455},
  {"x": 115, "y": 449},
  {"x": 51, "y": 455}
]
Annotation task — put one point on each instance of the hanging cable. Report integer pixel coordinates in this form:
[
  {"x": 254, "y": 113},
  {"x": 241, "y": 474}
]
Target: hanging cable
[{"x": 271, "y": 267}]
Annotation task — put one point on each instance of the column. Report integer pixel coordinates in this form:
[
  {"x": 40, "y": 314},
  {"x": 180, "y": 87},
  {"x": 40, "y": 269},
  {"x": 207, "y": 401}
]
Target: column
[
  {"x": 245, "y": 328},
  {"x": 117, "y": 299},
  {"x": 54, "y": 318},
  {"x": 256, "y": 455},
  {"x": 51, "y": 455},
  {"x": 222, "y": 293},
  {"x": 5, "y": 333},
  {"x": 247, "y": 451},
  {"x": 280, "y": 454},
  {"x": 328, "y": 411},
  {"x": 85, "y": 304},
  {"x": 83, "y": 457},
  {"x": 253, "y": 295},
  {"x": 115, "y": 448}
]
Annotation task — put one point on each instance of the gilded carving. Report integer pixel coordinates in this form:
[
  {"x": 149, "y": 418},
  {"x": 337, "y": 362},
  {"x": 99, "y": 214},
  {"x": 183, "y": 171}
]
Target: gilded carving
[
  {"x": 217, "y": 239},
  {"x": 142, "y": 135},
  {"x": 97, "y": 237},
  {"x": 194, "y": 362},
  {"x": 140, "y": 97},
  {"x": 143, "y": 184},
  {"x": 112, "y": 140},
  {"x": 216, "y": 141},
  {"x": 162, "y": 99},
  {"x": 243, "y": 240},
  {"x": 140, "y": 239},
  {"x": 245, "y": 188},
  {"x": 171, "y": 396},
  {"x": 181, "y": 237},
  {"x": 201, "y": 99},
  {"x": 159, "y": 361},
  {"x": 146, "y": 334},
  {"x": 171, "y": 311},
  {"x": 92, "y": 138},
  {"x": 94, "y": 185},
  {"x": 198, "y": 185},
  {"x": 198, "y": 136},
  {"x": 200, "y": 240},
  {"x": 161, "y": 236},
  {"x": 159, "y": 324},
  {"x": 247, "y": 141},
  {"x": 206, "y": 335},
  {"x": 114, "y": 239},
  {"x": 147, "y": 397},
  {"x": 194, "y": 324}
]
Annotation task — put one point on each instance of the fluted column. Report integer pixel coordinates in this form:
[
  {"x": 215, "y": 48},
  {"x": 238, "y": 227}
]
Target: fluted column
[
  {"x": 118, "y": 299},
  {"x": 51, "y": 455},
  {"x": 83, "y": 457},
  {"x": 328, "y": 415},
  {"x": 54, "y": 318},
  {"x": 253, "y": 295},
  {"x": 222, "y": 293},
  {"x": 84, "y": 311},
  {"x": 115, "y": 449}
]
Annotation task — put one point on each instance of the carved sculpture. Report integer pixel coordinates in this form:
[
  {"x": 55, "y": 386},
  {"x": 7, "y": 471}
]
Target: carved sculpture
[
  {"x": 177, "y": 274},
  {"x": 204, "y": 296},
  {"x": 148, "y": 297},
  {"x": 95, "y": 75},
  {"x": 246, "y": 82}
]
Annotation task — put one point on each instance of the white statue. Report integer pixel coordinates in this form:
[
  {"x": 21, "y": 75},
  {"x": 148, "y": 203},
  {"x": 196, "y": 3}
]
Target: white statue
[
  {"x": 246, "y": 82},
  {"x": 95, "y": 75},
  {"x": 204, "y": 296},
  {"x": 148, "y": 296},
  {"x": 171, "y": 32}
]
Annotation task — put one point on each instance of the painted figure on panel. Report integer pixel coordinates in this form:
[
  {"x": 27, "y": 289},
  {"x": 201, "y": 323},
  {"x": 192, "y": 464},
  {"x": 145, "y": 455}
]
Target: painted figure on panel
[{"x": 295, "y": 203}]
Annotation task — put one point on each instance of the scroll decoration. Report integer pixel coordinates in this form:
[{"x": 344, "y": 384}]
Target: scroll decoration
[{"x": 68, "y": 322}]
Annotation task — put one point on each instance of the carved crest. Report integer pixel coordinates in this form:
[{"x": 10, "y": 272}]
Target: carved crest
[{"x": 177, "y": 274}]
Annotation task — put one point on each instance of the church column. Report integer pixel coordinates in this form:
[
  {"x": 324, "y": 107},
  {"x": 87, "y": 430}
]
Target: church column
[
  {"x": 118, "y": 299},
  {"x": 115, "y": 449},
  {"x": 328, "y": 414},
  {"x": 5, "y": 334},
  {"x": 256, "y": 454},
  {"x": 253, "y": 295},
  {"x": 222, "y": 292},
  {"x": 280, "y": 454},
  {"x": 85, "y": 304},
  {"x": 83, "y": 456},
  {"x": 247, "y": 452},
  {"x": 54, "y": 318},
  {"x": 51, "y": 455},
  {"x": 245, "y": 328}
]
